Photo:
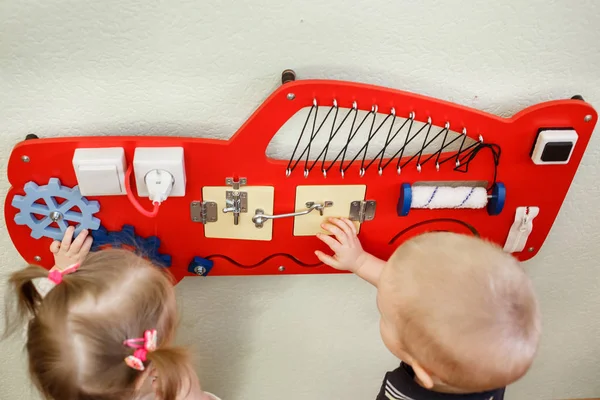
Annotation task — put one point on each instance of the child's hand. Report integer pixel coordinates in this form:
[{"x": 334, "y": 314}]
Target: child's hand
[
  {"x": 69, "y": 251},
  {"x": 349, "y": 254}
]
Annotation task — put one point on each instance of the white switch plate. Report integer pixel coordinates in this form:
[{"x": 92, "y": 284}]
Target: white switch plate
[
  {"x": 550, "y": 137},
  {"x": 100, "y": 172},
  {"x": 169, "y": 159}
]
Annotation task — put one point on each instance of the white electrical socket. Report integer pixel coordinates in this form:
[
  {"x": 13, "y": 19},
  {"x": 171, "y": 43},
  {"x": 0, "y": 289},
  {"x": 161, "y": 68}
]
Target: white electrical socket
[{"x": 168, "y": 159}]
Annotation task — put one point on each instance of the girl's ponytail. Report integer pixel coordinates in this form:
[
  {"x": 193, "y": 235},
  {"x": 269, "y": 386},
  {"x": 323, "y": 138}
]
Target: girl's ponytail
[
  {"x": 27, "y": 298},
  {"x": 175, "y": 377}
]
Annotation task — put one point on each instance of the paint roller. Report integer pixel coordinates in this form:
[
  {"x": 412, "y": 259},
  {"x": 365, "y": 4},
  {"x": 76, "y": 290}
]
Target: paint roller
[{"x": 455, "y": 197}]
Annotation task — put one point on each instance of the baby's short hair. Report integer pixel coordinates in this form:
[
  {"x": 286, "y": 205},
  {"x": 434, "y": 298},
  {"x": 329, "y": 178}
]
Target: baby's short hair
[{"x": 466, "y": 310}]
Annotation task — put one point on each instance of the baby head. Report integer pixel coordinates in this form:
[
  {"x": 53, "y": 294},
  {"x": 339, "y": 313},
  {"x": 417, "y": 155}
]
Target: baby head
[
  {"x": 460, "y": 311},
  {"x": 76, "y": 333}
]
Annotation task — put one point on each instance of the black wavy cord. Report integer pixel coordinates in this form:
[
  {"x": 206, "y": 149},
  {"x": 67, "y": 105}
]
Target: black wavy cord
[
  {"x": 258, "y": 264},
  {"x": 432, "y": 221}
]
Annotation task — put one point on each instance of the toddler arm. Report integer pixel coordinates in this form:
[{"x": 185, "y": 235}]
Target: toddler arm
[{"x": 349, "y": 254}]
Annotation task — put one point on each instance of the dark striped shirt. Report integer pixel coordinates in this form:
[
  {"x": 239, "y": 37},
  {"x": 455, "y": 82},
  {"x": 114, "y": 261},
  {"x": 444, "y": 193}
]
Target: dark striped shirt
[{"x": 400, "y": 384}]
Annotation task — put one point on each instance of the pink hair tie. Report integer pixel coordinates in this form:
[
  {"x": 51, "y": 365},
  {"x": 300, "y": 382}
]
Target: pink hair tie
[
  {"x": 56, "y": 275},
  {"x": 142, "y": 347}
]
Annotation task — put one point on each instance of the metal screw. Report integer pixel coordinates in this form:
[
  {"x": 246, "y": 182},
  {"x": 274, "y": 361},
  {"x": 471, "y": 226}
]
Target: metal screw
[
  {"x": 37, "y": 258},
  {"x": 587, "y": 118},
  {"x": 56, "y": 216},
  {"x": 291, "y": 96},
  {"x": 531, "y": 249},
  {"x": 25, "y": 158},
  {"x": 281, "y": 268},
  {"x": 200, "y": 270}
]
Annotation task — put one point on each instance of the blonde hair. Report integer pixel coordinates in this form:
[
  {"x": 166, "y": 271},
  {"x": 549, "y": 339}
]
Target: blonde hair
[
  {"x": 75, "y": 334},
  {"x": 466, "y": 310}
]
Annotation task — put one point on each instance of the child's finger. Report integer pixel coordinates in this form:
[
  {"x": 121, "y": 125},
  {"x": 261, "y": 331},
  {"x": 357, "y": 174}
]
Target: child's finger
[
  {"x": 350, "y": 224},
  {"x": 341, "y": 223},
  {"x": 67, "y": 239},
  {"x": 55, "y": 247},
  {"x": 87, "y": 246},
  {"x": 325, "y": 259},
  {"x": 329, "y": 241},
  {"x": 78, "y": 242},
  {"x": 339, "y": 234}
]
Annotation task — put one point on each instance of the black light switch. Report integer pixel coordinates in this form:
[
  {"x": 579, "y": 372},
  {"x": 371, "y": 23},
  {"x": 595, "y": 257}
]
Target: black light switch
[{"x": 557, "y": 151}]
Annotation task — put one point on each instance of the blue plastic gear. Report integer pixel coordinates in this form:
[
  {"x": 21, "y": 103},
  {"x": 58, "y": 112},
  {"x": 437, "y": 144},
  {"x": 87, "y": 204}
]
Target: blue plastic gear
[
  {"x": 200, "y": 266},
  {"x": 51, "y": 211},
  {"x": 126, "y": 237}
]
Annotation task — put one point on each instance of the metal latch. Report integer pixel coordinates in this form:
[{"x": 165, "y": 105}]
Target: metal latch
[
  {"x": 204, "y": 211},
  {"x": 236, "y": 202},
  {"x": 362, "y": 211},
  {"x": 260, "y": 217}
]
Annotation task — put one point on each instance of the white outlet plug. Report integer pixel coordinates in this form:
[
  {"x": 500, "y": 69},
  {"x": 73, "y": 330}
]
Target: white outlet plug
[{"x": 169, "y": 159}]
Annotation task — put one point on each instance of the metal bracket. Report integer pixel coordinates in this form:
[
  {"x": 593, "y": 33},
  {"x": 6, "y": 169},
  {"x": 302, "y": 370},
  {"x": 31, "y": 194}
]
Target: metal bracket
[
  {"x": 236, "y": 202},
  {"x": 204, "y": 211},
  {"x": 362, "y": 211},
  {"x": 236, "y": 184}
]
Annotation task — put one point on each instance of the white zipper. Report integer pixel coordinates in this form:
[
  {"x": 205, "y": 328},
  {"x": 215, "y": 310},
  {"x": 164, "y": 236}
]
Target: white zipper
[{"x": 521, "y": 229}]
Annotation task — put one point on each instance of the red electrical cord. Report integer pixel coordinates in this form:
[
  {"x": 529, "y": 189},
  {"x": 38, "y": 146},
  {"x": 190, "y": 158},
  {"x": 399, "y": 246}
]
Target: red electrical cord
[{"x": 133, "y": 200}]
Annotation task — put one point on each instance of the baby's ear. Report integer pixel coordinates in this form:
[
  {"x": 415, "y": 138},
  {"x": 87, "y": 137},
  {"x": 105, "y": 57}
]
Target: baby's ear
[{"x": 423, "y": 376}]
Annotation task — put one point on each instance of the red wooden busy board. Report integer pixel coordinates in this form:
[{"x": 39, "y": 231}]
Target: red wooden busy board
[{"x": 502, "y": 148}]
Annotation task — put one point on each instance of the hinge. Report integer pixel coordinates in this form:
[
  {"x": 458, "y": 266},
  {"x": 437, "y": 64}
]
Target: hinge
[
  {"x": 204, "y": 211},
  {"x": 362, "y": 211}
]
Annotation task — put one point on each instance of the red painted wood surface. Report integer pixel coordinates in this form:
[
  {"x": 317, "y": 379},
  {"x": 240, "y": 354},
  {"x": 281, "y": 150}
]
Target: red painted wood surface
[{"x": 209, "y": 162}]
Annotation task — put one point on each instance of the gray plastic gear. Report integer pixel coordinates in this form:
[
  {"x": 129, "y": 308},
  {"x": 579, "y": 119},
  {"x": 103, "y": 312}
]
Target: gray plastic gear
[{"x": 40, "y": 208}]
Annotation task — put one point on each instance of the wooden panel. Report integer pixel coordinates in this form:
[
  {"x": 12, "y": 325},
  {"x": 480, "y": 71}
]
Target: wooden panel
[
  {"x": 340, "y": 195},
  {"x": 258, "y": 197}
]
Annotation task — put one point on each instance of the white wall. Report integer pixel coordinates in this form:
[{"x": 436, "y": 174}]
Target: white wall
[{"x": 200, "y": 68}]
